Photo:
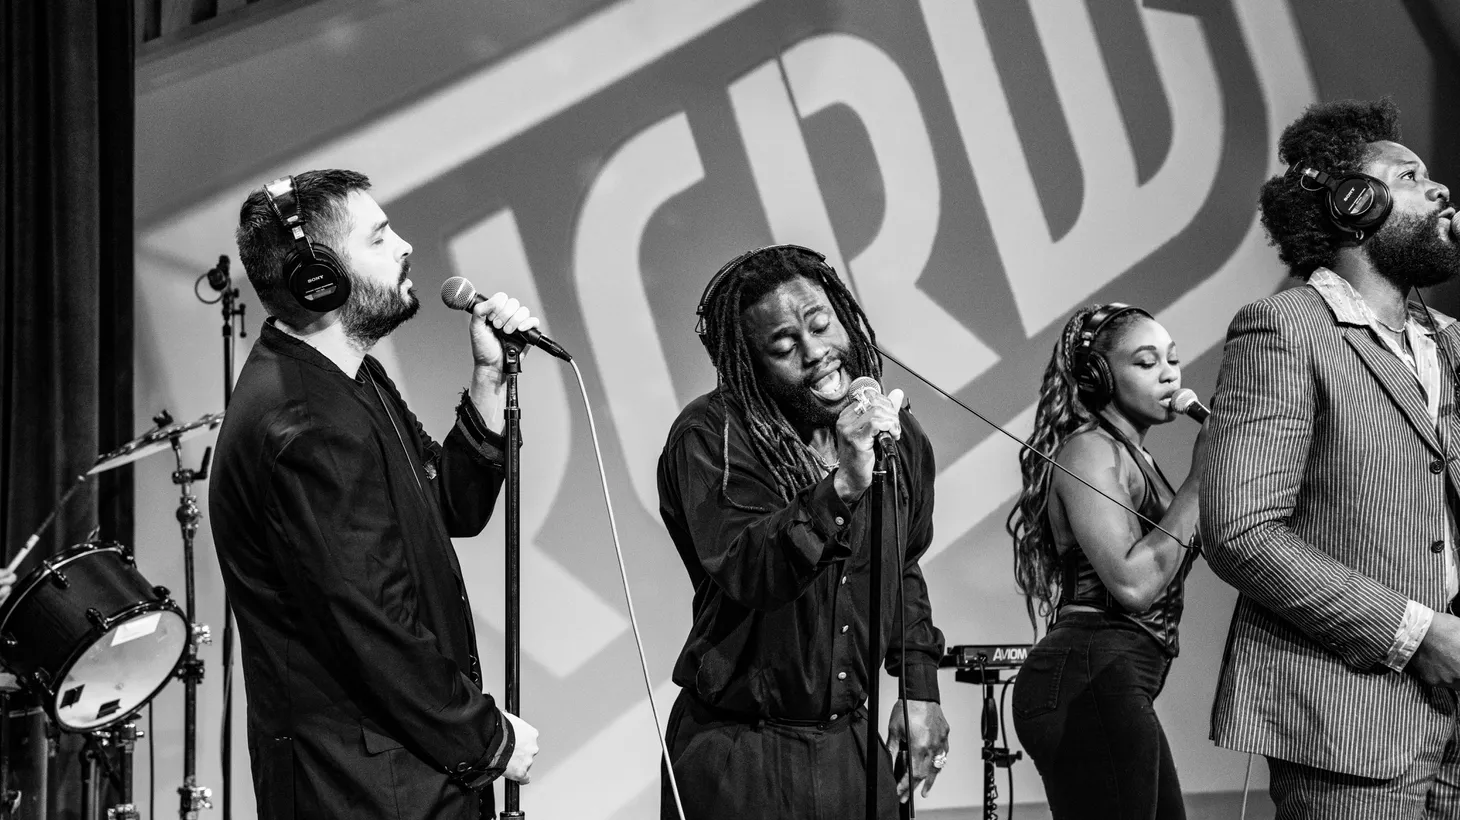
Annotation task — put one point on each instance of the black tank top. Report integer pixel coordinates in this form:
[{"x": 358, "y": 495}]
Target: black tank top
[{"x": 1080, "y": 584}]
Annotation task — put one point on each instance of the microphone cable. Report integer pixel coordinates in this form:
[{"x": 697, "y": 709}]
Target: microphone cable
[
  {"x": 1024, "y": 445},
  {"x": 628, "y": 596}
]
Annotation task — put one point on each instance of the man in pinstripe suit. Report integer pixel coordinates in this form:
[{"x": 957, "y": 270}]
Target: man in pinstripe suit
[{"x": 1328, "y": 498}]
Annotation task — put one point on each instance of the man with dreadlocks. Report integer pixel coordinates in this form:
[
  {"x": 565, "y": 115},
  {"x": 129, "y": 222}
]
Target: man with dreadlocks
[
  {"x": 761, "y": 486},
  {"x": 1331, "y": 474}
]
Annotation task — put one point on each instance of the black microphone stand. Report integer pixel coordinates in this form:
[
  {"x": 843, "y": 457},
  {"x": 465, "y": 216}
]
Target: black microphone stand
[
  {"x": 194, "y": 797},
  {"x": 512, "y": 359},
  {"x": 874, "y": 627},
  {"x": 231, "y": 307}
]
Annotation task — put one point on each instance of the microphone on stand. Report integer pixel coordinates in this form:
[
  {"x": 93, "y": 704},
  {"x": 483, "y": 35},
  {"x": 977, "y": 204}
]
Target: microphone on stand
[
  {"x": 458, "y": 294},
  {"x": 863, "y": 389},
  {"x": 219, "y": 278},
  {"x": 1185, "y": 401}
]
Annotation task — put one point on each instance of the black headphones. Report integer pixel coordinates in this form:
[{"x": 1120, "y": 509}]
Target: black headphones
[
  {"x": 311, "y": 272},
  {"x": 717, "y": 281},
  {"x": 1089, "y": 367},
  {"x": 1357, "y": 203}
]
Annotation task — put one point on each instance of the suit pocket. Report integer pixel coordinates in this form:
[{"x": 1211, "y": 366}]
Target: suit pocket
[
  {"x": 1037, "y": 692},
  {"x": 274, "y": 778}
]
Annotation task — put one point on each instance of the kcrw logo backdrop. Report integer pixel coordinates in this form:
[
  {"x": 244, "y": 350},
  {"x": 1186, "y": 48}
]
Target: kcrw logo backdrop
[{"x": 976, "y": 170}]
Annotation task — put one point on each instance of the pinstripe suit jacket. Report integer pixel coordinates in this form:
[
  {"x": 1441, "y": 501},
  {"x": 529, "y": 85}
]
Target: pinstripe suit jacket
[{"x": 1325, "y": 489}]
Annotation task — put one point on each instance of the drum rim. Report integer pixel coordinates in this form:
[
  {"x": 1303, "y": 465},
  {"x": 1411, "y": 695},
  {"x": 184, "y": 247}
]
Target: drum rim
[
  {"x": 50, "y": 694},
  {"x": 48, "y": 567}
]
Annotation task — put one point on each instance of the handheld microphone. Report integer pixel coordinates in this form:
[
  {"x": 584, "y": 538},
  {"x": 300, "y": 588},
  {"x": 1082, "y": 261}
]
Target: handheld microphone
[
  {"x": 862, "y": 389},
  {"x": 218, "y": 277},
  {"x": 1185, "y": 401},
  {"x": 457, "y": 293}
]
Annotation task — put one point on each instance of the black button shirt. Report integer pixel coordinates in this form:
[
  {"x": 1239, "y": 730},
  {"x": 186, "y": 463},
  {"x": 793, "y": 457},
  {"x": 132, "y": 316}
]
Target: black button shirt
[{"x": 781, "y": 596}]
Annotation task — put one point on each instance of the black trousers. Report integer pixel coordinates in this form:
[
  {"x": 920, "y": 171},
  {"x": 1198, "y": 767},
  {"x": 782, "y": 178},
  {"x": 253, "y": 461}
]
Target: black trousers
[
  {"x": 731, "y": 768},
  {"x": 1084, "y": 709}
]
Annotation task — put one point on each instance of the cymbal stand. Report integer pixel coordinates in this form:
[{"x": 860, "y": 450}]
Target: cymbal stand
[{"x": 192, "y": 797}]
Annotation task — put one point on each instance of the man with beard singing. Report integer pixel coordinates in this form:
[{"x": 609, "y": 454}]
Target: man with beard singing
[
  {"x": 762, "y": 487},
  {"x": 333, "y": 513},
  {"x": 1328, "y": 496}
]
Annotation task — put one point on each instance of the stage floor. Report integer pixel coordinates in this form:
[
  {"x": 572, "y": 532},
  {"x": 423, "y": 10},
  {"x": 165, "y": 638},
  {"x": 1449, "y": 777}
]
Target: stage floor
[{"x": 1206, "y": 806}]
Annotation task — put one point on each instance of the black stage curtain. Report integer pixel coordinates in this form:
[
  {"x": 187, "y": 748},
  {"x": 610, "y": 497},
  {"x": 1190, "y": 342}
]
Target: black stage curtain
[
  {"x": 66, "y": 129},
  {"x": 65, "y": 264}
]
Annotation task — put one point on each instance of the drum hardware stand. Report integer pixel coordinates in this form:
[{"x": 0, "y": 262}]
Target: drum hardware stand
[
  {"x": 93, "y": 754},
  {"x": 512, "y": 366},
  {"x": 193, "y": 798},
  {"x": 9, "y": 798}
]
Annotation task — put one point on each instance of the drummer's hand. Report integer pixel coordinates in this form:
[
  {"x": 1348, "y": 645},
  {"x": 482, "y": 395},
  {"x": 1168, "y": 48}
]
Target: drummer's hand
[{"x": 7, "y": 580}]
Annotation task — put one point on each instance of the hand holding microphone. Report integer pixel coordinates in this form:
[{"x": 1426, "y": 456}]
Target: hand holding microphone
[
  {"x": 869, "y": 421},
  {"x": 515, "y": 325},
  {"x": 864, "y": 391}
]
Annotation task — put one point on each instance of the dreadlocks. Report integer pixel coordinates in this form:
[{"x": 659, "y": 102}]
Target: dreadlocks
[{"x": 774, "y": 439}]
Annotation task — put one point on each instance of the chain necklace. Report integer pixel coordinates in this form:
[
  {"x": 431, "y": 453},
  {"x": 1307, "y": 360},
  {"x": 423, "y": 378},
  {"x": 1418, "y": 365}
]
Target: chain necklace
[
  {"x": 825, "y": 466},
  {"x": 1386, "y": 326}
]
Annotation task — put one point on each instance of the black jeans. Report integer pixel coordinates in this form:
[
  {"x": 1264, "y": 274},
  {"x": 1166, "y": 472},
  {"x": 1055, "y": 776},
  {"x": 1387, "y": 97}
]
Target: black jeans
[{"x": 1084, "y": 710}]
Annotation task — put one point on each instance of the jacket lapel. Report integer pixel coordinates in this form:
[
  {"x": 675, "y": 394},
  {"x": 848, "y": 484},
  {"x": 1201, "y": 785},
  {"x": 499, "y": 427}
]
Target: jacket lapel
[{"x": 1397, "y": 381}]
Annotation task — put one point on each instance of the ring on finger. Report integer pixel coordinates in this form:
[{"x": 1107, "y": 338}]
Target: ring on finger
[{"x": 940, "y": 760}]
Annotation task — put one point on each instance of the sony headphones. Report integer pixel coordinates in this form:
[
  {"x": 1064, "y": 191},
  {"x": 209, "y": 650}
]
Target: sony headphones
[
  {"x": 1356, "y": 203},
  {"x": 717, "y": 281},
  {"x": 1090, "y": 369},
  {"x": 311, "y": 272}
]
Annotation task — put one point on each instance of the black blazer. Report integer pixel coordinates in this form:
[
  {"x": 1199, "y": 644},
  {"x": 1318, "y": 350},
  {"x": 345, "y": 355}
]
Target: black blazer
[{"x": 332, "y": 519}]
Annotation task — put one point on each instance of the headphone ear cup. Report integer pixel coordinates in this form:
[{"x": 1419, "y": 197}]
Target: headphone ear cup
[
  {"x": 1359, "y": 202},
  {"x": 1092, "y": 378},
  {"x": 319, "y": 283}
]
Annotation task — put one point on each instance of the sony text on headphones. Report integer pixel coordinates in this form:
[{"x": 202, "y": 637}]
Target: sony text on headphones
[
  {"x": 1356, "y": 203},
  {"x": 1090, "y": 369},
  {"x": 311, "y": 272},
  {"x": 724, "y": 272}
]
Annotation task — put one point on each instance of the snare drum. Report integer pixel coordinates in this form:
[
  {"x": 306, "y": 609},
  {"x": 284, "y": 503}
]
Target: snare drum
[{"x": 88, "y": 633}]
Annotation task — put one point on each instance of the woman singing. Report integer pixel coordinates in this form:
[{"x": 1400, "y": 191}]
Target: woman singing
[{"x": 1110, "y": 582}]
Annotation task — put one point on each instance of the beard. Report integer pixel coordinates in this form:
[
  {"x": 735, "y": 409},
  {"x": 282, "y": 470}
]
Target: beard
[
  {"x": 800, "y": 406},
  {"x": 1409, "y": 252},
  {"x": 374, "y": 311}
]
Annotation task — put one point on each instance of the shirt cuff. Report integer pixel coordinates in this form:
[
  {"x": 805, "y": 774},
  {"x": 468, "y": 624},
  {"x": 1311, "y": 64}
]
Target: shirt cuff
[
  {"x": 922, "y": 679},
  {"x": 484, "y": 441},
  {"x": 1412, "y": 630},
  {"x": 494, "y": 763}
]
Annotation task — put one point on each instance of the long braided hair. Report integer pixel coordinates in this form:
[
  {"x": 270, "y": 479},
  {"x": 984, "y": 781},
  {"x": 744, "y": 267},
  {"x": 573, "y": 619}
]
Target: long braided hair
[
  {"x": 773, "y": 438},
  {"x": 1062, "y": 414}
]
